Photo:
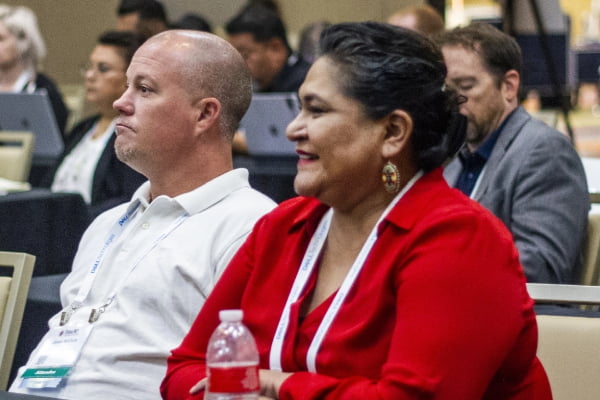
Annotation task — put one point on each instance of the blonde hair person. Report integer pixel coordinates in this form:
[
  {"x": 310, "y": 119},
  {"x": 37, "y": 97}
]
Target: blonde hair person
[
  {"x": 22, "y": 24},
  {"x": 22, "y": 52}
]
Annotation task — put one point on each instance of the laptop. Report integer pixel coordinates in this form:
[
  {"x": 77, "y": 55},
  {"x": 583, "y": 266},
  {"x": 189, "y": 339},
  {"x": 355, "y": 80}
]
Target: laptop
[
  {"x": 32, "y": 112},
  {"x": 265, "y": 122}
]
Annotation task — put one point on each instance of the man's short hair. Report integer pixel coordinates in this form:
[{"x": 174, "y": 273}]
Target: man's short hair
[
  {"x": 261, "y": 22},
  {"x": 500, "y": 52},
  {"x": 130, "y": 6},
  {"x": 148, "y": 9}
]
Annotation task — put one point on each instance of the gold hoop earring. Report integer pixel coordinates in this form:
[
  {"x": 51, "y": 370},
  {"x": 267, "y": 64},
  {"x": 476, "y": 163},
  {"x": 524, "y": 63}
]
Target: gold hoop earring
[{"x": 390, "y": 177}]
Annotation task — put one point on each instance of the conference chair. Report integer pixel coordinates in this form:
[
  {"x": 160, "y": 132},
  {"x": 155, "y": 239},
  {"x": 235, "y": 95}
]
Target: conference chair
[
  {"x": 590, "y": 274},
  {"x": 16, "y": 149},
  {"x": 16, "y": 270},
  {"x": 569, "y": 346}
]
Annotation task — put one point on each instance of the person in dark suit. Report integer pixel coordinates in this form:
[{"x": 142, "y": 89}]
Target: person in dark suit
[
  {"x": 259, "y": 34},
  {"x": 527, "y": 173},
  {"x": 89, "y": 164}
]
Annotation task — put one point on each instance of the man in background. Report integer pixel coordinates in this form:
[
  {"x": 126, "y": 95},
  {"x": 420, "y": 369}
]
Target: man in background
[
  {"x": 260, "y": 36},
  {"x": 527, "y": 173}
]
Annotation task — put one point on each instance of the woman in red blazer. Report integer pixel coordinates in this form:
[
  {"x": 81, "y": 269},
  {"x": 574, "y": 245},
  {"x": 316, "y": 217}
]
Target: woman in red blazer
[{"x": 379, "y": 281}]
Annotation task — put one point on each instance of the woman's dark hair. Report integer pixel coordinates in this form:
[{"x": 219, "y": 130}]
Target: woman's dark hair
[
  {"x": 385, "y": 68},
  {"x": 127, "y": 42}
]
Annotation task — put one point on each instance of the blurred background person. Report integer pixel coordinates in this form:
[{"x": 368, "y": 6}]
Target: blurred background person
[
  {"x": 260, "y": 36},
  {"x": 381, "y": 281},
  {"x": 22, "y": 52},
  {"x": 192, "y": 21},
  {"x": 147, "y": 17},
  {"x": 525, "y": 172},
  {"x": 421, "y": 18},
  {"x": 308, "y": 46},
  {"x": 89, "y": 165}
]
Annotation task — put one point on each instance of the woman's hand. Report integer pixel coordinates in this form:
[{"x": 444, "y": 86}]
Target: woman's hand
[
  {"x": 198, "y": 386},
  {"x": 270, "y": 382}
]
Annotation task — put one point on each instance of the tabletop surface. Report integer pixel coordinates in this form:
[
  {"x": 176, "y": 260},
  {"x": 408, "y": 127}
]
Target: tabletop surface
[{"x": 18, "y": 396}]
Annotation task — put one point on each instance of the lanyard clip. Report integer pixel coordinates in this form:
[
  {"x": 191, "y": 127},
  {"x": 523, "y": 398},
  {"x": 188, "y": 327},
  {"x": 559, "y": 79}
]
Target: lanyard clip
[
  {"x": 65, "y": 316},
  {"x": 96, "y": 312}
]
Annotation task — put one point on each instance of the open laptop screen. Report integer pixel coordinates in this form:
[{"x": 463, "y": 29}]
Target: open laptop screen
[
  {"x": 32, "y": 112},
  {"x": 265, "y": 122}
]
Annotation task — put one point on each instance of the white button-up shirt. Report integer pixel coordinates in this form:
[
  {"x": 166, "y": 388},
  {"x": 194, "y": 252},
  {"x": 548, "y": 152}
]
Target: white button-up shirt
[{"x": 159, "y": 283}]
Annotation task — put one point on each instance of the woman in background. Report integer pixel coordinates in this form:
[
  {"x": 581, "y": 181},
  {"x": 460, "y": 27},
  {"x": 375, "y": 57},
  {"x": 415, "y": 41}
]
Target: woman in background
[
  {"x": 378, "y": 281},
  {"x": 22, "y": 50},
  {"x": 89, "y": 165}
]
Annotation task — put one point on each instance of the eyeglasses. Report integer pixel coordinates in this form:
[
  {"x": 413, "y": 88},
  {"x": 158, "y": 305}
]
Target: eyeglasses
[{"x": 100, "y": 68}]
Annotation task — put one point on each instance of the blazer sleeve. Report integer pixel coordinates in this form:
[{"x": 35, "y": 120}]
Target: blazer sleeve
[{"x": 549, "y": 211}]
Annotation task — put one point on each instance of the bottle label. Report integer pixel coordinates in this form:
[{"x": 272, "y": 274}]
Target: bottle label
[{"x": 233, "y": 379}]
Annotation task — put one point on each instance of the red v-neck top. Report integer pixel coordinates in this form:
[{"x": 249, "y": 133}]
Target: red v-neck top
[{"x": 439, "y": 311}]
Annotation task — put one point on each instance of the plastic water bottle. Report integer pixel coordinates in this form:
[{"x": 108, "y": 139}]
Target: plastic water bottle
[{"x": 232, "y": 360}]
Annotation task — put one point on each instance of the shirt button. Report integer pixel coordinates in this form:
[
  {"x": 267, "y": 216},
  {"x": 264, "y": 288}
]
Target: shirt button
[{"x": 145, "y": 225}]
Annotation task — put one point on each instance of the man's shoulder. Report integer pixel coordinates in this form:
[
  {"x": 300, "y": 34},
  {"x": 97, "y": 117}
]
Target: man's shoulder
[
  {"x": 535, "y": 130},
  {"x": 248, "y": 199}
]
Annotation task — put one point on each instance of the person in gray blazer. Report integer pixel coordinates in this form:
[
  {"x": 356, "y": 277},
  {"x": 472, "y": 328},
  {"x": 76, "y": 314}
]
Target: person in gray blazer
[{"x": 527, "y": 173}]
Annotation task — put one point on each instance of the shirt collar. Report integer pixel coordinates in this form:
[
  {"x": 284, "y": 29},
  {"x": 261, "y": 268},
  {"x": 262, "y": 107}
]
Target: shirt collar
[{"x": 202, "y": 197}]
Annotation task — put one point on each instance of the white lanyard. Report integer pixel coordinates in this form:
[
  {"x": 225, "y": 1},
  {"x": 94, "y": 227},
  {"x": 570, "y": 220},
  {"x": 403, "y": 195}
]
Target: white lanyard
[
  {"x": 114, "y": 233},
  {"x": 24, "y": 84},
  {"x": 307, "y": 266}
]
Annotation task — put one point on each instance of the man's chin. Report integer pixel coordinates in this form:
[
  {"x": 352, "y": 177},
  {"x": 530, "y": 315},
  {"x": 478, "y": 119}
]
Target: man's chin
[
  {"x": 124, "y": 155},
  {"x": 474, "y": 139}
]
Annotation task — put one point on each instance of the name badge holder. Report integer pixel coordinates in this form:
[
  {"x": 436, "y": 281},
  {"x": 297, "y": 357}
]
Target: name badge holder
[{"x": 58, "y": 353}]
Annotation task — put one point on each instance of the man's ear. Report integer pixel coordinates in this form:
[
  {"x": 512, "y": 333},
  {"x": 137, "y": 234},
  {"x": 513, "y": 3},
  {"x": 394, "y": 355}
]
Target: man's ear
[
  {"x": 399, "y": 129},
  {"x": 510, "y": 85},
  {"x": 208, "y": 111}
]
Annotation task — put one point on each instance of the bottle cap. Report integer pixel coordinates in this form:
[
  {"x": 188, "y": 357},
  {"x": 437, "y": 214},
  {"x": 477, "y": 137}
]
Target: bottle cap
[{"x": 231, "y": 315}]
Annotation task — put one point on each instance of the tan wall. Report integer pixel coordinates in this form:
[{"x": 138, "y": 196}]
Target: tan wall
[{"x": 70, "y": 27}]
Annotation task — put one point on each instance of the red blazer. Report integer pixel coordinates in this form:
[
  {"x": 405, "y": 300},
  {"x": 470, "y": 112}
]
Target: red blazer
[{"x": 440, "y": 309}]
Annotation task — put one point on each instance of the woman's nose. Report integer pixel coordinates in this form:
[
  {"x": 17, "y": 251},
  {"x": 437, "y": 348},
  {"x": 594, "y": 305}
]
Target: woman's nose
[{"x": 295, "y": 129}]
